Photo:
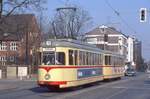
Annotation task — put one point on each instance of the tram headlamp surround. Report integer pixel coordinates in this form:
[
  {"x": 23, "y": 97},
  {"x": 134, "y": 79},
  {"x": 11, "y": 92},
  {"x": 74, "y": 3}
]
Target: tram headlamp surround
[{"x": 47, "y": 76}]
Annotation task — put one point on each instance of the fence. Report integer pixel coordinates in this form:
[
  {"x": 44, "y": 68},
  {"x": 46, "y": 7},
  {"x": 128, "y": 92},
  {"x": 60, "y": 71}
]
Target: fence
[{"x": 15, "y": 71}]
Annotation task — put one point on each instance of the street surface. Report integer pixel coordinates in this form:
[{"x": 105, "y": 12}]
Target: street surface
[{"x": 137, "y": 87}]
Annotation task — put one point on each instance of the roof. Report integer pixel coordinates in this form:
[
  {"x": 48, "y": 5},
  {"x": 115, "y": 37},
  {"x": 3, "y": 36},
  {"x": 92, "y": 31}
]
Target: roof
[
  {"x": 18, "y": 25},
  {"x": 104, "y": 30},
  {"x": 70, "y": 43},
  {"x": 75, "y": 44}
]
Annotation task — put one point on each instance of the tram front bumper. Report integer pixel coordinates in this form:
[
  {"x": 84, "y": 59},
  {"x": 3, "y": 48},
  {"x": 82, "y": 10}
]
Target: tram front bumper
[{"x": 42, "y": 83}]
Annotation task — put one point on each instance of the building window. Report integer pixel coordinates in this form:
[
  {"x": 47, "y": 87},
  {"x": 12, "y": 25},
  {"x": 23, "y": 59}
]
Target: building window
[
  {"x": 3, "y": 46},
  {"x": 92, "y": 39},
  {"x": 100, "y": 38},
  {"x": 13, "y": 46},
  {"x": 2, "y": 58},
  {"x": 12, "y": 58},
  {"x": 113, "y": 40}
]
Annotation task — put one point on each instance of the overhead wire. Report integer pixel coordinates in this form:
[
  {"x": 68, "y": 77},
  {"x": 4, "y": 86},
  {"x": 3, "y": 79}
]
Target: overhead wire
[{"x": 121, "y": 18}]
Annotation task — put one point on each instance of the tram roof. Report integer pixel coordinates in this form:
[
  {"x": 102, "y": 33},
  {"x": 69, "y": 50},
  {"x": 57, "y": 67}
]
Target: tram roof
[
  {"x": 70, "y": 43},
  {"x": 74, "y": 44}
]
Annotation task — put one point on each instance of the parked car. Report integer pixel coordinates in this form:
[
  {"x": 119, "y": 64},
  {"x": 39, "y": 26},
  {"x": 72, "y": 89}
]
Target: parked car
[{"x": 130, "y": 72}]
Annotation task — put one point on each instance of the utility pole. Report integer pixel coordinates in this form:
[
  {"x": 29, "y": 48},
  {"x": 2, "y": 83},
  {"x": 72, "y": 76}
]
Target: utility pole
[
  {"x": 105, "y": 35},
  {"x": 26, "y": 49}
]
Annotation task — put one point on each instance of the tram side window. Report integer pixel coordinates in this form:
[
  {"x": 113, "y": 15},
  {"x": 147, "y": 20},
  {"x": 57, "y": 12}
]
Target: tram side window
[
  {"x": 87, "y": 58},
  {"x": 92, "y": 59},
  {"x": 60, "y": 59},
  {"x": 110, "y": 60},
  {"x": 84, "y": 58},
  {"x": 80, "y": 57},
  {"x": 101, "y": 59},
  {"x": 107, "y": 60},
  {"x": 76, "y": 57},
  {"x": 70, "y": 57},
  {"x": 97, "y": 59}
]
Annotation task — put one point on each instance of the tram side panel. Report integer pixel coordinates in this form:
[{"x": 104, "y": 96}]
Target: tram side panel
[
  {"x": 76, "y": 75},
  {"x": 81, "y": 76}
]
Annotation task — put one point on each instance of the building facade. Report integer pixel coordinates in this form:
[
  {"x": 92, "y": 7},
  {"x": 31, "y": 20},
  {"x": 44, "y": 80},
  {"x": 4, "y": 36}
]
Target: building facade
[
  {"x": 9, "y": 47},
  {"x": 130, "y": 54},
  {"x": 137, "y": 54},
  {"x": 108, "y": 38},
  {"x": 19, "y": 39}
]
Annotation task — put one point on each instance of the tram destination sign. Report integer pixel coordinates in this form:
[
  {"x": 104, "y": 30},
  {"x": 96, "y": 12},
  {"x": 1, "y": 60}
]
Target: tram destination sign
[{"x": 48, "y": 49}]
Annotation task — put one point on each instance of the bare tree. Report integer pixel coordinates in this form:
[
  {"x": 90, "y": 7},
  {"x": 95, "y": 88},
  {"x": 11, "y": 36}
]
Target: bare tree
[
  {"x": 12, "y": 6},
  {"x": 69, "y": 22},
  {"x": 8, "y": 7}
]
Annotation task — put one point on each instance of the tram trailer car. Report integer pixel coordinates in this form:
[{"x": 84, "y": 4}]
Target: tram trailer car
[
  {"x": 113, "y": 65},
  {"x": 69, "y": 63}
]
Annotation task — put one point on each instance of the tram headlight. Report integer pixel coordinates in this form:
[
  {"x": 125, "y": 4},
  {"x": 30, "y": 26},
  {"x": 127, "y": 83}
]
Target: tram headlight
[{"x": 47, "y": 76}]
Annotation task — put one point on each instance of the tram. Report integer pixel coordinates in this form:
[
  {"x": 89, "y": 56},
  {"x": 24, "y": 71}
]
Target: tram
[{"x": 69, "y": 63}]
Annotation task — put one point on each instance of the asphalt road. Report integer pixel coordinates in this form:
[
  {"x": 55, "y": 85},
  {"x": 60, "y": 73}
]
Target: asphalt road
[{"x": 127, "y": 88}]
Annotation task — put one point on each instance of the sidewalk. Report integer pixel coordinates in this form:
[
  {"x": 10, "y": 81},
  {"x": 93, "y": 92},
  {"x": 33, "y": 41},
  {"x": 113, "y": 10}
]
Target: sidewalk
[
  {"x": 10, "y": 83},
  {"x": 32, "y": 77}
]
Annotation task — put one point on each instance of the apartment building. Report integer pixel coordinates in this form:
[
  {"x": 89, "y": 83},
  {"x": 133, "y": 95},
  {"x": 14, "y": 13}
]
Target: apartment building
[{"x": 108, "y": 38}]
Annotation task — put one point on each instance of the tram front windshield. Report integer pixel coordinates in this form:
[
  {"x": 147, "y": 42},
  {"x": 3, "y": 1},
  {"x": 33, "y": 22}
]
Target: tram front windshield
[{"x": 52, "y": 58}]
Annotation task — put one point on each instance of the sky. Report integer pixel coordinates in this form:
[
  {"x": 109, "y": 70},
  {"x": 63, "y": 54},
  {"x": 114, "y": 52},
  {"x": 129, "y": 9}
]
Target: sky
[{"x": 102, "y": 12}]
